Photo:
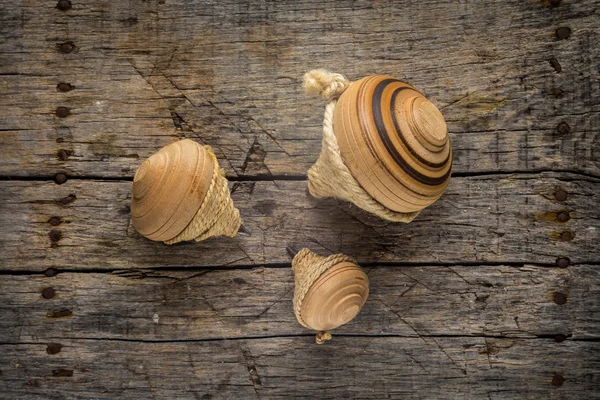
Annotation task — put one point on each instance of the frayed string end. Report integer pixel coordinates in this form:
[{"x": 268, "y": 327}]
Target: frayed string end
[{"x": 326, "y": 84}]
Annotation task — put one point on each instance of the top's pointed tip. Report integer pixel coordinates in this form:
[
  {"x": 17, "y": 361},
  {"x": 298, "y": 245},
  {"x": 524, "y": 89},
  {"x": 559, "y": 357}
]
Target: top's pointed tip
[
  {"x": 242, "y": 230},
  {"x": 291, "y": 251}
]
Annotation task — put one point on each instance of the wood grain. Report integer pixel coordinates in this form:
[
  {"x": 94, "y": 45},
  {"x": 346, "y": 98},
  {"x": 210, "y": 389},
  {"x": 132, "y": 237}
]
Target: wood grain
[
  {"x": 278, "y": 368},
  {"x": 493, "y": 218},
  {"x": 465, "y": 302},
  {"x": 228, "y": 74},
  {"x": 493, "y": 301}
]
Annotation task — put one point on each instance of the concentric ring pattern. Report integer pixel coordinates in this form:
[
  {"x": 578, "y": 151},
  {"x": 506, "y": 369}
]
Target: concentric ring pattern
[
  {"x": 394, "y": 142},
  {"x": 336, "y": 297},
  {"x": 168, "y": 189}
]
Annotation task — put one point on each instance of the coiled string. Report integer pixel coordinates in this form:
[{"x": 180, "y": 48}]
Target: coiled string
[{"x": 217, "y": 214}]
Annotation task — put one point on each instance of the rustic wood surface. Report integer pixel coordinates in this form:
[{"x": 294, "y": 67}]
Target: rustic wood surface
[
  {"x": 228, "y": 73},
  {"x": 281, "y": 368},
  {"x": 491, "y": 293},
  {"x": 497, "y": 301},
  {"x": 483, "y": 219}
]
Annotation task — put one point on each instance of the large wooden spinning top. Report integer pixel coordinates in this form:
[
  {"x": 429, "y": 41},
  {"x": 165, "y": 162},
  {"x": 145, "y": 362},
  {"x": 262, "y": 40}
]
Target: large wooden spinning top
[
  {"x": 385, "y": 146},
  {"x": 180, "y": 193},
  {"x": 329, "y": 291}
]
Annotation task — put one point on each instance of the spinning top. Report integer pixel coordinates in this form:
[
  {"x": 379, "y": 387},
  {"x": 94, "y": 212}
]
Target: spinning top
[
  {"x": 181, "y": 193},
  {"x": 385, "y": 146},
  {"x": 329, "y": 291}
]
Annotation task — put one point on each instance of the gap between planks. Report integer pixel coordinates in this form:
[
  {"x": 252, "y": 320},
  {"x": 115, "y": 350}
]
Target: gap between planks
[
  {"x": 299, "y": 335},
  {"x": 271, "y": 178},
  {"x": 389, "y": 264}
]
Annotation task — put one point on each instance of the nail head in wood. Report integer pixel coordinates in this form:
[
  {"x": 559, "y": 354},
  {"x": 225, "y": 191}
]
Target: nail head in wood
[
  {"x": 55, "y": 235},
  {"x": 54, "y": 221},
  {"x": 64, "y": 87},
  {"x": 566, "y": 236},
  {"x": 563, "y": 128},
  {"x": 48, "y": 293},
  {"x": 557, "y": 380},
  {"x": 560, "y": 298},
  {"x": 563, "y": 216},
  {"x": 63, "y": 5},
  {"x": 50, "y": 272},
  {"x": 560, "y": 195},
  {"x": 53, "y": 348},
  {"x": 62, "y": 112},
  {"x": 66, "y": 47},
  {"x": 563, "y": 33},
  {"x": 560, "y": 338},
  {"x": 60, "y": 178},
  {"x": 563, "y": 262}
]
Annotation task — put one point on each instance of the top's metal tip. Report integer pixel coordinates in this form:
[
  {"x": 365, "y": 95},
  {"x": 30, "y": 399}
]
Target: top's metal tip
[
  {"x": 291, "y": 250},
  {"x": 244, "y": 231}
]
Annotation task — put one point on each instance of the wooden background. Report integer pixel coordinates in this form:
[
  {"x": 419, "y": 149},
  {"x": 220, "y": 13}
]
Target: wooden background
[{"x": 492, "y": 292}]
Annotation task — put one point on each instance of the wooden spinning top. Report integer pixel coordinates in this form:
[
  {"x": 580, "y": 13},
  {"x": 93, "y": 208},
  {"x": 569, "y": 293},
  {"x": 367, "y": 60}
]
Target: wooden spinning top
[
  {"x": 329, "y": 291},
  {"x": 392, "y": 143},
  {"x": 180, "y": 193}
]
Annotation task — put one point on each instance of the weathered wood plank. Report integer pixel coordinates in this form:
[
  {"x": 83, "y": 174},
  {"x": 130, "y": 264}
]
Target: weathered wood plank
[
  {"x": 213, "y": 304},
  {"x": 492, "y": 218},
  {"x": 416, "y": 368},
  {"x": 228, "y": 74}
]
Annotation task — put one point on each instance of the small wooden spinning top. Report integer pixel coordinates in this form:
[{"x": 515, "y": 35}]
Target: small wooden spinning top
[
  {"x": 181, "y": 193},
  {"x": 385, "y": 145},
  {"x": 329, "y": 291}
]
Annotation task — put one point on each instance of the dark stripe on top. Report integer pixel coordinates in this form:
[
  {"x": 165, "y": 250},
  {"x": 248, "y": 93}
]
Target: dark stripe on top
[
  {"x": 383, "y": 135},
  {"x": 401, "y": 135}
]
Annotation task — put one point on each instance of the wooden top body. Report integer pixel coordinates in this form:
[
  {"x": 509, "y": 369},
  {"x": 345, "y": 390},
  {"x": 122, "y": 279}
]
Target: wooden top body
[
  {"x": 169, "y": 188},
  {"x": 336, "y": 297},
  {"x": 394, "y": 141}
]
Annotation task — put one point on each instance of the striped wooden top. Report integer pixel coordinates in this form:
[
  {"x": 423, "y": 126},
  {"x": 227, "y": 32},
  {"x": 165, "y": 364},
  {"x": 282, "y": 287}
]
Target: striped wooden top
[{"x": 394, "y": 141}]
